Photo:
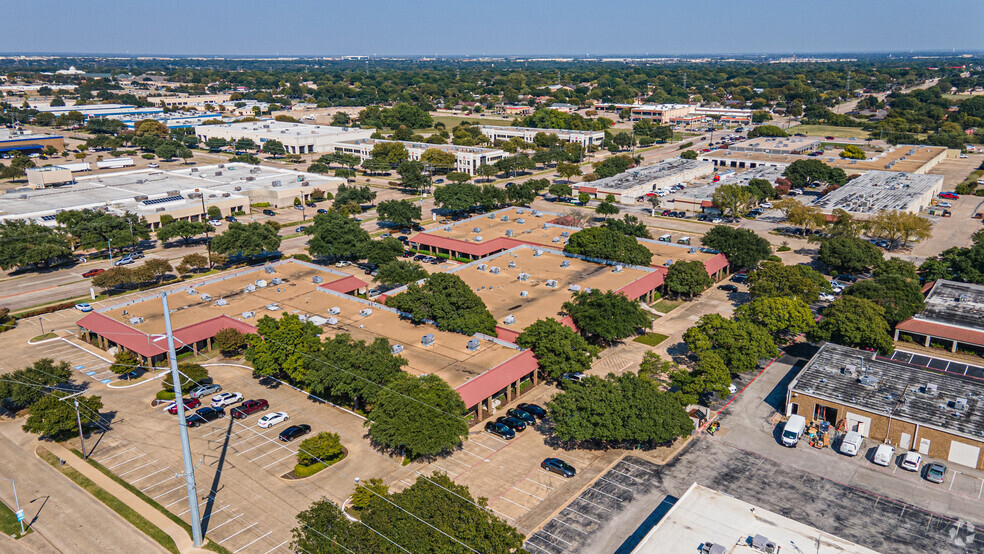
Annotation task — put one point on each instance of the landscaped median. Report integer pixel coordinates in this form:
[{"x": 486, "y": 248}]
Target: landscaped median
[{"x": 316, "y": 454}]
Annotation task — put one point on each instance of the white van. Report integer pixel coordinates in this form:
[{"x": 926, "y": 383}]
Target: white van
[
  {"x": 851, "y": 443},
  {"x": 884, "y": 455},
  {"x": 684, "y": 240},
  {"x": 665, "y": 238},
  {"x": 793, "y": 430}
]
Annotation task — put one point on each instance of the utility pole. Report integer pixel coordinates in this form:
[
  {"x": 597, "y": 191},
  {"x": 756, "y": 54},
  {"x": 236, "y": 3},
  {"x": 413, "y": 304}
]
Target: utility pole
[
  {"x": 20, "y": 515},
  {"x": 110, "y": 245},
  {"x": 189, "y": 467},
  {"x": 78, "y": 418},
  {"x": 208, "y": 243}
]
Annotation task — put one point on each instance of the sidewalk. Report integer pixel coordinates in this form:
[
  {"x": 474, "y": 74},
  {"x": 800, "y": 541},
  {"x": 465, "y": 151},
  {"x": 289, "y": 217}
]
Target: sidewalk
[{"x": 176, "y": 532}]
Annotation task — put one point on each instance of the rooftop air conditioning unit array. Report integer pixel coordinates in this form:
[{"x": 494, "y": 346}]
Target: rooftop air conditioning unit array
[
  {"x": 524, "y": 276},
  {"x": 574, "y": 288},
  {"x": 509, "y": 320},
  {"x": 618, "y": 269},
  {"x": 335, "y": 310},
  {"x": 537, "y": 253},
  {"x": 427, "y": 340},
  {"x": 269, "y": 269},
  {"x": 247, "y": 315},
  {"x": 520, "y": 211},
  {"x": 552, "y": 283}
]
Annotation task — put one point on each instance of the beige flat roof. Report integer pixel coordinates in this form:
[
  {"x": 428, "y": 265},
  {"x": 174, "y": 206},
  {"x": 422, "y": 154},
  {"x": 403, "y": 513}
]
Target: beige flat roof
[
  {"x": 911, "y": 163},
  {"x": 448, "y": 357},
  {"x": 531, "y": 230}
]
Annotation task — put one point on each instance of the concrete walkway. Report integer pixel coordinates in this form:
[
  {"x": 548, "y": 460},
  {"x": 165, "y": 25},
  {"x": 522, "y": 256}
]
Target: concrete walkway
[{"x": 177, "y": 533}]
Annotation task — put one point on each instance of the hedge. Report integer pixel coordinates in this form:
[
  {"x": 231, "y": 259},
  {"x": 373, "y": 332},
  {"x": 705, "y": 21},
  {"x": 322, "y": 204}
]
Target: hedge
[
  {"x": 307, "y": 471},
  {"x": 165, "y": 395},
  {"x": 46, "y": 310}
]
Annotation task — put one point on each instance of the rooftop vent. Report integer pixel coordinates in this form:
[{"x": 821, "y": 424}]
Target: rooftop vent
[
  {"x": 494, "y": 270},
  {"x": 218, "y": 173},
  {"x": 250, "y": 288},
  {"x": 478, "y": 238},
  {"x": 618, "y": 269},
  {"x": 247, "y": 315},
  {"x": 524, "y": 293},
  {"x": 335, "y": 311},
  {"x": 136, "y": 320},
  {"x": 524, "y": 276},
  {"x": 206, "y": 297},
  {"x": 317, "y": 280},
  {"x": 221, "y": 302},
  {"x": 509, "y": 320},
  {"x": 396, "y": 348},
  {"x": 260, "y": 283},
  {"x": 482, "y": 267},
  {"x": 565, "y": 263},
  {"x": 868, "y": 381},
  {"x": 509, "y": 232},
  {"x": 574, "y": 288},
  {"x": 427, "y": 340},
  {"x": 364, "y": 312},
  {"x": 520, "y": 220},
  {"x": 269, "y": 269},
  {"x": 552, "y": 283},
  {"x": 537, "y": 253},
  {"x": 473, "y": 344},
  {"x": 512, "y": 265},
  {"x": 520, "y": 211},
  {"x": 277, "y": 281}
]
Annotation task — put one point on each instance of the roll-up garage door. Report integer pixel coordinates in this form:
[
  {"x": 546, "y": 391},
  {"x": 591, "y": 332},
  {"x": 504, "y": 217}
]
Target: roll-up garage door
[{"x": 964, "y": 454}]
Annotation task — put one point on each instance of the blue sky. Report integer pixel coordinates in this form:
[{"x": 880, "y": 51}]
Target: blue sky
[{"x": 448, "y": 27}]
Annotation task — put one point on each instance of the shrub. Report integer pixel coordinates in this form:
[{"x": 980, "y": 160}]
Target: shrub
[
  {"x": 302, "y": 257},
  {"x": 301, "y": 470},
  {"x": 165, "y": 395},
  {"x": 323, "y": 448}
]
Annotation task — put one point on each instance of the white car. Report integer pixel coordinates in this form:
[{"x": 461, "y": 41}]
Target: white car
[
  {"x": 824, "y": 297},
  {"x": 270, "y": 420},
  {"x": 343, "y": 263},
  {"x": 226, "y": 399},
  {"x": 964, "y": 156},
  {"x": 945, "y": 204},
  {"x": 717, "y": 220},
  {"x": 152, "y": 165},
  {"x": 215, "y": 222},
  {"x": 912, "y": 461},
  {"x": 837, "y": 289},
  {"x": 83, "y": 307},
  {"x": 765, "y": 205}
]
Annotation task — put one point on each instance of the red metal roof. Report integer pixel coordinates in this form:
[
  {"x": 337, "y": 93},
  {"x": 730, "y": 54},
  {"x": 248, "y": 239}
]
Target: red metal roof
[
  {"x": 345, "y": 285},
  {"x": 644, "y": 284},
  {"x": 715, "y": 264},
  {"x": 497, "y": 378},
  {"x": 145, "y": 345},
  {"x": 471, "y": 248},
  {"x": 706, "y": 204},
  {"x": 943, "y": 331},
  {"x": 590, "y": 190}
]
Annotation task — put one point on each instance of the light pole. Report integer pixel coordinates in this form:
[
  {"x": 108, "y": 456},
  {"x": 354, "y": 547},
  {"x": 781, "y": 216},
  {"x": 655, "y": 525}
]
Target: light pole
[
  {"x": 78, "y": 418},
  {"x": 110, "y": 245},
  {"x": 20, "y": 516},
  {"x": 208, "y": 243}
]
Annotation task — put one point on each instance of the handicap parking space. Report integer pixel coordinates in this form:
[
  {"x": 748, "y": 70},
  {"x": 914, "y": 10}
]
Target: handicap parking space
[{"x": 82, "y": 362}]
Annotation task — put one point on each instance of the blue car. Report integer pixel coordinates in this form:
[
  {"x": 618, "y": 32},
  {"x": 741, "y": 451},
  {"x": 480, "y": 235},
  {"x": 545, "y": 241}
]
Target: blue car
[{"x": 558, "y": 466}]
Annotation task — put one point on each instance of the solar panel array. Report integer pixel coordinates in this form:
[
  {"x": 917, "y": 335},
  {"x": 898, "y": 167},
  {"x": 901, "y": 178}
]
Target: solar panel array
[{"x": 153, "y": 201}]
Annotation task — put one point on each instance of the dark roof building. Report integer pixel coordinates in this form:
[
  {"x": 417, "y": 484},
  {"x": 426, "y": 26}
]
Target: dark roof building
[{"x": 954, "y": 313}]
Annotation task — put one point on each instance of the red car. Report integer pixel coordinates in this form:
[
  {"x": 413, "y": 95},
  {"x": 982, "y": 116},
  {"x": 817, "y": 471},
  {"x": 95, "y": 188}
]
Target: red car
[
  {"x": 92, "y": 272},
  {"x": 949, "y": 196},
  {"x": 249, "y": 407},
  {"x": 190, "y": 404}
]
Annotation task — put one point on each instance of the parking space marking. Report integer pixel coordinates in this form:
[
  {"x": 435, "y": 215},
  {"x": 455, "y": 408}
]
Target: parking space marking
[
  {"x": 614, "y": 483},
  {"x": 145, "y": 489},
  {"x": 235, "y": 444},
  {"x": 538, "y": 483},
  {"x": 213, "y": 512},
  {"x": 465, "y": 450},
  {"x": 538, "y": 536},
  {"x": 953, "y": 479},
  {"x": 627, "y": 475},
  {"x": 103, "y": 461},
  {"x": 633, "y": 465},
  {"x": 276, "y": 547},
  {"x": 148, "y": 475},
  {"x": 267, "y": 441},
  {"x": 182, "y": 498},
  {"x": 582, "y": 499},
  {"x": 200, "y": 504},
  {"x": 141, "y": 455},
  {"x": 152, "y": 462},
  {"x": 264, "y": 454},
  {"x": 490, "y": 435},
  {"x": 513, "y": 503},
  {"x": 219, "y": 430},
  {"x": 280, "y": 460},
  {"x": 982, "y": 490},
  {"x": 230, "y": 520},
  {"x": 580, "y": 514},
  {"x": 524, "y": 492},
  {"x": 555, "y": 536},
  {"x": 168, "y": 492},
  {"x": 482, "y": 445},
  {"x": 593, "y": 489},
  {"x": 240, "y": 531},
  {"x": 251, "y": 542},
  {"x": 442, "y": 469},
  {"x": 501, "y": 514}
]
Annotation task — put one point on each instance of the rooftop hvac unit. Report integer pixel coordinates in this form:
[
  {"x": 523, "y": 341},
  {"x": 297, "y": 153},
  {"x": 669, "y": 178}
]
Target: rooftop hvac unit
[
  {"x": 763, "y": 544},
  {"x": 332, "y": 321},
  {"x": 520, "y": 220},
  {"x": 478, "y": 238},
  {"x": 335, "y": 310},
  {"x": 226, "y": 194},
  {"x": 173, "y": 193},
  {"x": 960, "y": 404},
  {"x": 300, "y": 178},
  {"x": 556, "y": 239},
  {"x": 194, "y": 170},
  {"x": 221, "y": 166},
  {"x": 545, "y": 226},
  {"x": 275, "y": 184},
  {"x": 448, "y": 228},
  {"x": 509, "y": 320},
  {"x": 136, "y": 320},
  {"x": 305, "y": 184},
  {"x": 711, "y": 548},
  {"x": 494, "y": 270},
  {"x": 247, "y": 315},
  {"x": 473, "y": 344},
  {"x": 140, "y": 198},
  {"x": 537, "y": 253},
  {"x": 587, "y": 290},
  {"x": 932, "y": 389},
  {"x": 254, "y": 170},
  {"x": 536, "y": 213},
  {"x": 574, "y": 288},
  {"x": 277, "y": 281},
  {"x": 191, "y": 290},
  {"x": 316, "y": 279},
  {"x": 206, "y": 297},
  {"x": 565, "y": 234},
  {"x": 396, "y": 348},
  {"x": 140, "y": 181},
  {"x": 221, "y": 302},
  {"x": 524, "y": 293},
  {"x": 218, "y": 173},
  {"x": 427, "y": 340},
  {"x": 260, "y": 283},
  {"x": 552, "y": 283},
  {"x": 365, "y": 312},
  {"x": 250, "y": 288},
  {"x": 509, "y": 232},
  {"x": 504, "y": 218},
  {"x": 693, "y": 250},
  {"x": 273, "y": 307},
  {"x": 237, "y": 188},
  {"x": 269, "y": 269},
  {"x": 482, "y": 267},
  {"x": 524, "y": 276},
  {"x": 476, "y": 229},
  {"x": 512, "y": 265},
  {"x": 618, "y": 269},
  {"x": 668, "y": 263},
  {"x": 491, "y": 216},
  {"x": 565, "y": 263},
  {"x": 519, "y": 211}
]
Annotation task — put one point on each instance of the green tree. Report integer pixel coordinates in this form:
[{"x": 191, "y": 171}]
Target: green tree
[
  {"x": 743, "y": 247},
  {"x": 854, "y": 321},
  {"x": 616, "y": 410},
  {"x": 214, "y": 212},
  {"x": 439, "y": 159},
  {"x": 773, "y": 279},
  {"x": 583, "y": 197},
  {"x": 165, "y": 151},
  {"x": 94, "y": 228},
  {"x": 849, "y": 254},
  {"x": 230, "y": 342},
  {"x": 900, "y": 296},
  {"x": 688, "y": 155},
  {"x": 353, "y": 369},
  {"x": 606, "y": 209},
  {"x": 852, "y": 152},
  {"x": 114, "y": 277},
  {"x": 486, "y": 171},
  {"x": 781, "y": 317},
  {"x": 606, "y": 316},
  {"x": 457, "y": 197},
  {"x": 30, "y": 244},
  {"x": 338, "y": 237},
  {"x": 629, "y": 225},
  {"x": 321, "y": 448},
  {"x": 458, "y": 177},
  {"x": 391, "y": 153},
  {"x": 767, "y": 131},
  {"x": 568, "y": 170},
  {"x": 383, "y": 251},
  {"x": 689, "y": 278},
  {"x": 274, "y": 147},
  {"x": 740, "y": 344},
  {"x": 607, "y": 244},
  {"x": 282, "y": 346},
  {"x": 762, "y": 189},
  {"x": 358, "y": 195},
  {"x": 191, "y": 375},
  {"x": 215, "y": 144},
  {"x": 560, "y": 190},
  {"x": 365, "y": 491},
  {"x": 124, "y": 362},
  {"x": 558, "y": 348},
  {"x": 896, "y": 266},
  {"x": 803, "y": 172},
  {"x": 412, "y": 176},
  {"x": 710, "y": 375},
  {"x": 245, "y": 145},
  {"x": 24, "y": 387},
  {"x": 248, "y": 240},
  {"x": 404, "y": 414},
  {"x": 183, "y": 229},
  {"x": 448, "y": 301},
  {"x": 400, "y": 272},
  {"x": 194, "y": 260},
  {"x": 56, "y": 419},
  {"x": 733, "y": 199},
  {"x": 400, "y": 213}
]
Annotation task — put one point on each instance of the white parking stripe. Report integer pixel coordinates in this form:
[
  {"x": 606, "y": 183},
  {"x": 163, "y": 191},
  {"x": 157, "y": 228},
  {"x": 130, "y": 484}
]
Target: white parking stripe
[
  {"x": 585, "y": 515},
  {"x": 614, "y": 483},
  {"x": 538, "y": 483},
  {"x": 145, "y": 489},
  {"x": 592, "y": 489},
  {"x": 501, "y": 514},
  {"x": 513, "y": 503},
  {"x": 582, "y": 499},
  {"x": 169, "y": 492},
  {"x": 955, "y": 473},
  {"x": 152, "y": 462},
  {"x": 149, "y": 475},
  {"x": 209, "y": 516},
  {"x": 103, "y": 461},
  {"x": 276, "y": 547},
  {"x": 482, "y": 445},
  {"x": 251, "y": 542},
  {"x": 524, "y": 492},
  {"x": 264, "y": 454},
  {"x": 280, "y": 460},
  {"x": 219, "y": 430},
  {"x": 441, "y": 468},
  {"x": 254, "y": 447},
  {"x": 562, "y": 522},
  {"x": 237, "y": 532},
  {"x": 226, "y": 521},
  {"x": 200, "y": 504},
  {"x": 128, "y": 461}
]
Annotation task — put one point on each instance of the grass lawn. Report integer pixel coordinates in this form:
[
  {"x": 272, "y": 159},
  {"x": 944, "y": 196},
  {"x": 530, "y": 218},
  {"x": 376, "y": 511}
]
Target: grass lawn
[
  {"x": 829, "y": 131},
  {"x": 666, "y": 306},
  {"x": 452, "y": 121},
  {"x": 651, "y": 339},
  {"x": 8, "y": 522},
  {"x": 112, "y": 502},
  {"x": 45, "y": 336},
  {"x": 959, "y": 96}
]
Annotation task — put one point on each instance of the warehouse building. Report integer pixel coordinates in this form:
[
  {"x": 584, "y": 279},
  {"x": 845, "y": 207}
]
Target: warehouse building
[
  {"x": 697, "y": 198},
  {"x": 940, "y": 413},
  {"x": 111, "y": 111},
  {"x": 908, "y": 158},
  {"x": 501, "y": 132},
  {"x": 14, "y": 141},
  {"x": 634, "y": 184},
  {"x": 297, "y": 138},
  {"x": 777, "y": 145},
  {"x": 467, "y": 158},
  {"x": 876, "y": 191},
  {"x": 661, "y": 113},
  {"x": 954, "y": 315},
  {"x": 736, "y": 527}
]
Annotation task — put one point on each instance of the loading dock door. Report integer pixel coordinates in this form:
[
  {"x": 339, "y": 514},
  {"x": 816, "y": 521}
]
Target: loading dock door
[
  {"x": 924, "y": 447},
  {"x": 964, "y": 454},
  {"x": 904, "y": 441}
]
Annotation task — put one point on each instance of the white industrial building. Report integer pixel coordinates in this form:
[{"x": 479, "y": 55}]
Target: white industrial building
[
  {"x": 696, "y": 198},
  {"x": 500, "y": 132},
  {"x": 297, "y": 138},
  {"x": 111, "y": 111},
  {"x": 777, "y": 145},
  {"x": 634, "y": 184},
  {"x": 876, "y": 191},
  {"x": 467, "y": 158}
]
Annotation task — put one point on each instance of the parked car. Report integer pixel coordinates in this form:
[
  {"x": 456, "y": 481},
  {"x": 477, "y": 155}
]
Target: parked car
[
  {"x": 728, "y": 288},
  {"x": 766, "y": 205},
  {"x": 666, "y": 212},
  {"x": 202, "y": 391},
  {"x": 826, "y": 297},
  {"x": 558, "y": 466},
  {"x": 949, "y": 195},
  {"x": 270, "y": 420},
  {"x": 269, "y": 212},
  {"x": 322, "y": 211},
  {"x": 844, "y": 277},
  {"x": 851, "y": 443},
  {"x": 500, "y": 430},
  {"x": 935, "y": 472},
  {"x": 884, "y": 455},
  {"x": 226, "y": 399},
  {"x": 521, "y": 414},
  {"x": 533, "y": 410},
  {"x": 189, "y": 404},
  {"x": 567, "y": 378},
  {"x": 204, "y": 415},
  {"x": 793, "y": 430},
  {"x": 300, "y": 229},
  {"x": 945, "y": 204},
  {"x": 249, "y": 408},
  {"x": 912, "y": 461},
  {"x": 513, "y": 423},
  {"x": 152, "y": 165},
  {"x": 93, "y": 272},
  {"x": 231, "y": 219},
  {"x": 126, "y": 260},
  {"x": 717, "y": 220},
  {"x": 83, "y": 307},
  {"x": 294, "y": 431},
  {"x": 215, "y": 222}
]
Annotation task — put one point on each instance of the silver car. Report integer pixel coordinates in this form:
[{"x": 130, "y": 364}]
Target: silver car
[{"x": 204, "y": 390}]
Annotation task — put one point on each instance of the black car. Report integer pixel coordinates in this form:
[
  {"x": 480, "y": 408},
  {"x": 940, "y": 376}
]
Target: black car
[
  {"x": 419, "y": 257},
  {"x": 322, "y": 211},
  {"x": 408, "y": 254},
  {"x": 294, "y": 431},
  {"x": 312, "y": 205},
  {"x": 521, "y": 414},
  {"x": 403, "y": 239},
  {"x": 204, "y": 415},
  {"x": 132, "y": 375},
  {"x": 728, "y": 288},
  {"x": 269, "y": 212},
  {"x": 558, "y": 466},
  {"x": 533, "y": 410},
  {"x": 500, "y": 430},
  {"x": 513, "y": 423},
  {"x": 845, "y": 277},
  {"x": 231, "y": 219}
]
